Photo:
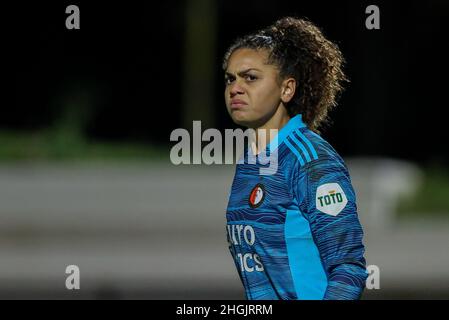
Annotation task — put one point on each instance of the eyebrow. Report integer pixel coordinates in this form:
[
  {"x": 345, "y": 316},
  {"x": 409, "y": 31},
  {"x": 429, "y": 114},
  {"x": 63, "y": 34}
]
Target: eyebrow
[{"x": 240, "y": 73}]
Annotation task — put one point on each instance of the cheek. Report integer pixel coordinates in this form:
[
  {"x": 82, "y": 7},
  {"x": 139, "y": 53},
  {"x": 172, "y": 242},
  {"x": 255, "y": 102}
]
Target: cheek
[
  {"x": 226, "y": 96},
  {"x": 268, "y": 97}
]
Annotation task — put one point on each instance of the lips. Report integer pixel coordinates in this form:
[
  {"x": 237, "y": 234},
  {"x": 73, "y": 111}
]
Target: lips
[{"x": 238, "y": 104}]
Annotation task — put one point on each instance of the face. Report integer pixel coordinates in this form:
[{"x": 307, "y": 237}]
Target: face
[{"x": 253, "y": 91}]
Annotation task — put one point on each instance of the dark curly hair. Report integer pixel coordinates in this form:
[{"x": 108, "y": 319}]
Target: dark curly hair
[{"x": 301, "y": 51}]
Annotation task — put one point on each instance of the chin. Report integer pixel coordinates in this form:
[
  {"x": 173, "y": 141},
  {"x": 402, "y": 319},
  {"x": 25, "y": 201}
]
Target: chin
[
  {"x": 247, "y": 122},
  {"x": 246, "y": 118},
  {"x": 241, "y": 120}
]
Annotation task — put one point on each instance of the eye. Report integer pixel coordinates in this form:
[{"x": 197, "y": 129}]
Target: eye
[
  {"x": 228, "y": 80},
  {"x": 250, "y": 77}
]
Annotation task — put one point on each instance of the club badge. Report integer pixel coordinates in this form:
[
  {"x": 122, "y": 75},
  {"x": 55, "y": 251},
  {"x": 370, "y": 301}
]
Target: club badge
[{"x": 257, "y": 196}]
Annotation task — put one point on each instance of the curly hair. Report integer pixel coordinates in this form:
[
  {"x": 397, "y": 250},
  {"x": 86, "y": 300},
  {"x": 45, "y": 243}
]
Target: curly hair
[{"x": 300, "y": 50}]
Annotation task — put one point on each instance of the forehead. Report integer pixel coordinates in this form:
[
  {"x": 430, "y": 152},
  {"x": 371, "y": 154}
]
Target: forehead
[{"x": 243, "y": 59}]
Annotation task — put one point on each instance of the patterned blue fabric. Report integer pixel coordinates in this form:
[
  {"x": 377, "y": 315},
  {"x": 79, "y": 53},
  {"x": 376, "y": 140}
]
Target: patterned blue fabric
[{"x": 295, "y": 234}]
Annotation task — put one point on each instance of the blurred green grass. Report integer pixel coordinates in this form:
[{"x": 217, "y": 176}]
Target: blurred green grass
[
  {"x": 48, "y": 145},
  {"x": 431, "y": 198},
  {"x": 56, "y": 145}
]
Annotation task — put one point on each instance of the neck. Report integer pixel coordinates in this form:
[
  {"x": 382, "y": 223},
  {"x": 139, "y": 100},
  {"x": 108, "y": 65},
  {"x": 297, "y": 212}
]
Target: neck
[{"x": 264, "y": 132}]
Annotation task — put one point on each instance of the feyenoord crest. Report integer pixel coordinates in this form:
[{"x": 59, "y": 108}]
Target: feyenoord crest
[{"x": 256, "y": 196}]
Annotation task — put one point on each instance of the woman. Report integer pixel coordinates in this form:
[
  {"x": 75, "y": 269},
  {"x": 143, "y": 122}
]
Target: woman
[{"x": 293, "y": 234}]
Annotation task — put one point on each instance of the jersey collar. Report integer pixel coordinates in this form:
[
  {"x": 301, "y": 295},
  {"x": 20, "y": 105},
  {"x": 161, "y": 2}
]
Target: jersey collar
[{"x": 294, "y": 123}]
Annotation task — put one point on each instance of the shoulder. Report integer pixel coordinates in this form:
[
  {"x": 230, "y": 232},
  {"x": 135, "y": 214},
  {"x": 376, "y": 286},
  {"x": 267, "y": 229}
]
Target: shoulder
[
  {"x": 319, "y": 169},
  {"x": 308, "y": 150}
]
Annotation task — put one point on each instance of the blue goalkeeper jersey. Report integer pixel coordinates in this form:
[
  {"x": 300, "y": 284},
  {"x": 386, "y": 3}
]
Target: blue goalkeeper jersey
[{"x": 295, "y": 234}]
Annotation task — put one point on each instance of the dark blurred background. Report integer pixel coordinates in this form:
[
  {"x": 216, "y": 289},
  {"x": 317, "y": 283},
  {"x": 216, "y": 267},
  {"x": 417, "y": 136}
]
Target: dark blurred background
[
  {"x": 136, "y": 70},
  {"x": 126, "y": 69}
]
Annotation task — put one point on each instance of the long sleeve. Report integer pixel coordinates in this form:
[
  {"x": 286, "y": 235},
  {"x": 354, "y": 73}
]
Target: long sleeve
[{"x": 327, "y": 200}]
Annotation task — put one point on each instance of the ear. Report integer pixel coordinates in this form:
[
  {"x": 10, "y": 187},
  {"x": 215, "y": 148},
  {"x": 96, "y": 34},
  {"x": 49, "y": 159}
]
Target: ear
[{"x": 288, "y": 89}]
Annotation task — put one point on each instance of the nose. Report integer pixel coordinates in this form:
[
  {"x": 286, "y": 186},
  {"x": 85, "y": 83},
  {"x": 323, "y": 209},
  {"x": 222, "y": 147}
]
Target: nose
[{"x": 236, "y": 89}]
